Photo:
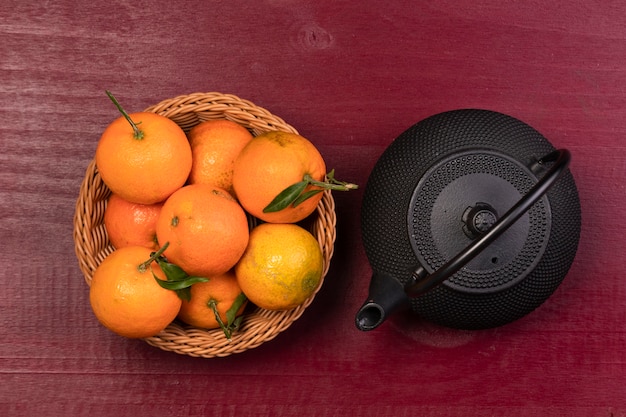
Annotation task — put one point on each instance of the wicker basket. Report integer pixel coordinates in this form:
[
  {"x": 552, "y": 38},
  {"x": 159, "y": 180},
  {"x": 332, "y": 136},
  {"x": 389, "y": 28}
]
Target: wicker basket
[{"x": 92, "y": 243}]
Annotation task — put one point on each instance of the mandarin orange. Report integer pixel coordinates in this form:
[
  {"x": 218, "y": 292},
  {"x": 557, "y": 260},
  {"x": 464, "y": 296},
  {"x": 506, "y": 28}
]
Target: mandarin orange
[
  {"x": 215, "y": 144},
  {"x": 267, "y": 165},
  {"x": 131, "y": 224},
  {"x": 126, "y": 298},
  {"x": 218, "y": 294},
  {"x": 206, "y": 228},
  {"x": 143, "y": 157},
  {"x": 281, "y": 267}
]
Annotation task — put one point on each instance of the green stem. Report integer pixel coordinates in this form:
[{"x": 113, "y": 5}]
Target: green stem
[
  {"x": 332, "y": 184},
  {"x": 144, "y": 266},
  {"x": 296, "y": 194},
  {"x": 138, "y": 134},
  {"x": 213, "y": 306}
]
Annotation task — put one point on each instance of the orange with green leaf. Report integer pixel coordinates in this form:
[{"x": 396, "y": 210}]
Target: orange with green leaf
[{"x": 279, "y": 177}]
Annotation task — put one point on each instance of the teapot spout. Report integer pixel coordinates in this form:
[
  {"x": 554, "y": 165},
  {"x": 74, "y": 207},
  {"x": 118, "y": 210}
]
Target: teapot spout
[{"x": 386, "y": 295}]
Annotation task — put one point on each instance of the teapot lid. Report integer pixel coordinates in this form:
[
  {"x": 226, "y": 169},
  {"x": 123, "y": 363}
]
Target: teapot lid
[{"x": 458, "y": 200}]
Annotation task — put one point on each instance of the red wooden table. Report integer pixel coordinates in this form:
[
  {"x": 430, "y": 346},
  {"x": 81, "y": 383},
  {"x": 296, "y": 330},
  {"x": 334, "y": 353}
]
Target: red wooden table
[{"x": 350, "y": 76}]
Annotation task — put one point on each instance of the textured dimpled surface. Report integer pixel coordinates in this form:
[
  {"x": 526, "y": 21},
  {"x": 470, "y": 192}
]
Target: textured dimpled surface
[{"x": 387, "y": 208}]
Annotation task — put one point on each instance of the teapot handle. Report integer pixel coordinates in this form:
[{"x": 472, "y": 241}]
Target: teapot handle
[{"x": 422, "y": 282}]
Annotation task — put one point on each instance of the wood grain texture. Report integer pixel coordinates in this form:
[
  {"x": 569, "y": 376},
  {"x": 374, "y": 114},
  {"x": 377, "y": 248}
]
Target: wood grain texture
[{"x": 350, "y": 76}]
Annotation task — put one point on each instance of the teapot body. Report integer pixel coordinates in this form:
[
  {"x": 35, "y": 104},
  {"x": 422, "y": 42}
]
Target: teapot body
[{"x": 443, "y": 183}]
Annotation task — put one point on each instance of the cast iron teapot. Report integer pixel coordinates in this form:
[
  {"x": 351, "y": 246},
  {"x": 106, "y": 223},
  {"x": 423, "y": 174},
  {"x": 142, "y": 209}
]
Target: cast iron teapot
[{"x": 470, "y": 218}]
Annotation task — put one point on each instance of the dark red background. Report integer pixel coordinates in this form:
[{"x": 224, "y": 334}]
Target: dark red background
[{"x": 351, "y": 76}]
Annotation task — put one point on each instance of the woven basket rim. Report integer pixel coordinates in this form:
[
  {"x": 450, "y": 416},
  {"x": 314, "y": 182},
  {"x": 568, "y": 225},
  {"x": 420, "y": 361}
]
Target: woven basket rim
[{"x": 92, "y": 246}]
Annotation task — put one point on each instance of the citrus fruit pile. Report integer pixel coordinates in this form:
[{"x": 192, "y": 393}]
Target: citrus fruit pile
[{"x": 204, "y": 223}]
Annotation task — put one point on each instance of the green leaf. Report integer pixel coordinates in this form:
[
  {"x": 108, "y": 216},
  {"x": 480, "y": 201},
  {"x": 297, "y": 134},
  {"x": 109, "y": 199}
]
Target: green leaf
[
  {"x": 181, "y": 288},
  {"x": 177, "y": 279},
  {"x": 232, "y": 311},
  {"x": 184, "y": 294},
  {"x": 304, "y": 196},
  {"x": 286, "y": 197},
  {"x": 172, "y": 272},
  {"x": 237, "y": 323},
  {"x": 180, "y": 284}
]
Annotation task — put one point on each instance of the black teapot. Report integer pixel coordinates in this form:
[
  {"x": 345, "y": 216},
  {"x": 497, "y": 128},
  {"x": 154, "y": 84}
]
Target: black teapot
[{"x": 470, "y": 218}]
